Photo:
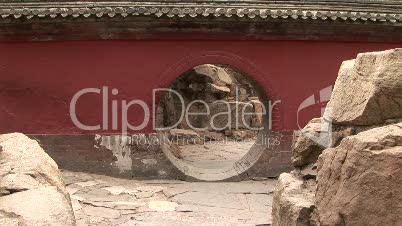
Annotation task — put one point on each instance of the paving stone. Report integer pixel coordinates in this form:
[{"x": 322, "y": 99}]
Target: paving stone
[
  {"x": 153, "y": 189},
  {"x": 115, "y": 190},
  {"x": 127, "y": 212},
  {"x": 72, "y": 189},
  {"x": 100, "y": 204},
  {"x": 101, "y": 212},
  {"x": 174, "y": 191},
  {"x": 131, "y": 191},
  {"x": 76, "y": 197},
  {"x": 162, "y": 206},
  {"x": 82, "y": 222},
  {"x": 174, "y": 203},
  {"x": 145, "y": 194},
  {"x": 76, "y": 205},
  {"x": 88, "y": 183},
  {"x": 128, "y": 205}
]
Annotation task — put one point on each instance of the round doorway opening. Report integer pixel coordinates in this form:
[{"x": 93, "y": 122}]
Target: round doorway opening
[{"x": 210, "y": 120}]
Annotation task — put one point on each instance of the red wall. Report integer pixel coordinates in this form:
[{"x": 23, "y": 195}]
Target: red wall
[{"x": 38, "y": 79}]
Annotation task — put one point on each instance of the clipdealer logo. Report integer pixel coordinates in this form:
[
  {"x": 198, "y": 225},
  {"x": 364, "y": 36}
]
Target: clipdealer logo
[{"x": 125, "y": 126}]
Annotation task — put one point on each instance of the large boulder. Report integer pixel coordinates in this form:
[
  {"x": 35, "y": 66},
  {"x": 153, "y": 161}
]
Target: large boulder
[
  {"x": 368, "y": 90},
  {"x": 360, "y": 181},
  {"x": 316, "y": 136},
  {"x": 30, "y": 183},
  {"x": 354, "y": 152},
  {"x": 293, "y": 202},
  {"x": 40, "y": 206}
]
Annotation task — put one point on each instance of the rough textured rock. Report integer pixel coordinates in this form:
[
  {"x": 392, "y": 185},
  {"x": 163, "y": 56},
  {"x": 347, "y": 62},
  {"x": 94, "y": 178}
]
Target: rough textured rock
[
  {"x": 230, "y": 116},
  {"x": 314, "y": 138},
  {"x": 216, "y": 74},
  {"x": 30, "y": 183},
  {"x": 359, "y": 174},
  {"x": 210, "y": 135},
  {"x": 258, "y": 109},
  {"x": 368, "y": 90},
  {"x": 293, "y": 202},
  {"x": 41, "y": 206},
  {"x": 211, "y": 83},
  {"x": 22, "y": 155},
  {"x": 359, "y": 182},
  {"x": 307, "y": 172},
  {"x": 7, "y": 219}
]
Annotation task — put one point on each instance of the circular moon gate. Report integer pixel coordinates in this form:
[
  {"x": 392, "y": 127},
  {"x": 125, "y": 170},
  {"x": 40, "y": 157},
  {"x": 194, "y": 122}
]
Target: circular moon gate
[{"x": 240, "y": 166}]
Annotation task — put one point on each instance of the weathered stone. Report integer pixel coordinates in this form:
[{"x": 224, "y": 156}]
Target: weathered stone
[
  {"x": 315, "y": 137},
  {"x": 243, "y": 134},
  {"x": 115, "y": 190},
  {"x": 176, "y": 151},
  {"x": 101, "y": 212},
  {"x": 359, "y": 182},
  {"x": 230, "y": 116},
  {"x": 162, "y": 206},
  {"x": 293, "y": 202},
  {"x": 307, "y": 172},
  {"x": 7, "y": 219},
  {"x": 88, "y": 183},
  {"x": 31, "y": 183},
  {"x": 41, "y": 206},
  {"x": 169, "y": 193},
  {"x": 143, "y": 194},
  {"x": 76, "y": 205},
  {"x": 218, "y": 89},
  {"x": 153, "y": 189},
  {"x": 183, "y": 133},
  {"x": 21, "y": 155},
  {"x": 216, "y": 74},
  {"x": 211, "y": 135},
  {"x": 128, "y": 205},
  {"x": 368, "y": 90},
  {"x": 258, "y": 110},
  {"x": 307, "y": 149},
  {"x": 18, "y": 182}
]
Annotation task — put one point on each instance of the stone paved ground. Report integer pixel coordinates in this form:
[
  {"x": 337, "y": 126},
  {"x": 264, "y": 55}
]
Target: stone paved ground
[
  {"x": 103, "y": 200},
  {"x": 215, "y": 154}
]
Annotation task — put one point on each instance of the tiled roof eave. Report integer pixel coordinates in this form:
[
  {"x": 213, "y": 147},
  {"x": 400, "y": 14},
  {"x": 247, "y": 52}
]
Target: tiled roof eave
[{"x": 372, "y": 12}]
